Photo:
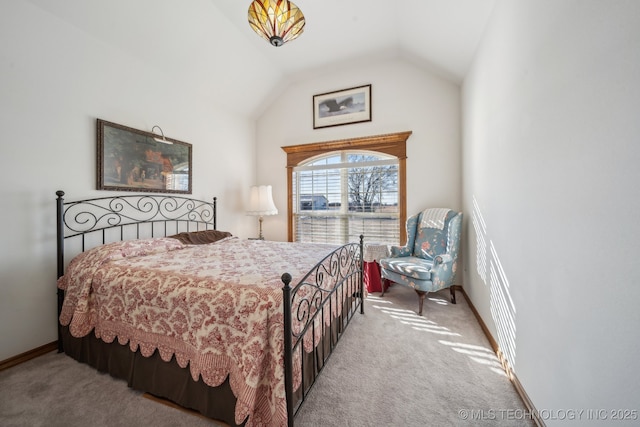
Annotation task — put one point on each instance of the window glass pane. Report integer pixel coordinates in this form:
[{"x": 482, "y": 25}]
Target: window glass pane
[
  {"x": 325, "y": 160},
  {"x": 340, "y": 196},
  {"x": 361, "y": 157},
  {"x": 373, "y": 188}
]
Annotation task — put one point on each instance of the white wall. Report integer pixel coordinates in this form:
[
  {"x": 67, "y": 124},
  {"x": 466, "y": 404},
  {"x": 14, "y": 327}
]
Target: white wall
[
  {"x": 404, "y": 98},
  {"x": 550, "y": 166},
  {"x": 55, "y": 80}
]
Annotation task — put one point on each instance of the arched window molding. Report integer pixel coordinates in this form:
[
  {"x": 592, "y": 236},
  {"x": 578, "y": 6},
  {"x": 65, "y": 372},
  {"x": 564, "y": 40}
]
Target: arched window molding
[{"x": 393, "y": 144}]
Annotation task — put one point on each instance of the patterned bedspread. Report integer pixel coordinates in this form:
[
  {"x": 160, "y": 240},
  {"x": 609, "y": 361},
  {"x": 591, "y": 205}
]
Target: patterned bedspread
[{"x": 216, "y": 307}]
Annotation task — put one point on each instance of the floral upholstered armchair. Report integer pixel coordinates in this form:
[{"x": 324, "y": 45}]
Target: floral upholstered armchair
[{"x": 428, "y": 261}]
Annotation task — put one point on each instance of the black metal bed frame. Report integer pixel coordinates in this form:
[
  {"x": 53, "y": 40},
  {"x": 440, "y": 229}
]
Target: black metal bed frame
[{"x": 125, "y": 217}]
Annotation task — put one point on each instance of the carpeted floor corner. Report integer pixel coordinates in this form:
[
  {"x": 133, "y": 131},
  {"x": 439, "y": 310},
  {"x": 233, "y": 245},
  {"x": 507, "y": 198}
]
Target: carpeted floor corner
[{"x": 394, "y": 367}]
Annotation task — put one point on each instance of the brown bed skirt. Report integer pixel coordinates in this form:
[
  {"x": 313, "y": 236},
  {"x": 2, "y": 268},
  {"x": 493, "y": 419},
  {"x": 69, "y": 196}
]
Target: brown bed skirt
[
  {"x": 153, "y": 375},
  {"x": 169, "y": 381}
]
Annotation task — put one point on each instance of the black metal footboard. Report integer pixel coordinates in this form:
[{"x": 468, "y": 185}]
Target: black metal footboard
[{"x": 326, "y": 298}]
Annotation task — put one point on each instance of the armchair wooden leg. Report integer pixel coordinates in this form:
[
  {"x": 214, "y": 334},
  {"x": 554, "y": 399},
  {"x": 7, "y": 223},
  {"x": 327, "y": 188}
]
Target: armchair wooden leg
[
  {"x": 384, "y": 283},
  {"x": 421, "y": 295},
  {"x": 453, "y": 295}
]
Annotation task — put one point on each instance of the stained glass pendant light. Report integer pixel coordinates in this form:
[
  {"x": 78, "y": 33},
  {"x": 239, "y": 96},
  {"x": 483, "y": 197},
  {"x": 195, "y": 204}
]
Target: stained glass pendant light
[{"x": 277, "y": 21}]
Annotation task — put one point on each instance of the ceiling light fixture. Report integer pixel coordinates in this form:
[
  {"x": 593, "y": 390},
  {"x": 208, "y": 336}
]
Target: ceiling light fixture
[
  {"x": 277, "y": 21},
  {"x": 158, "y": 139}
]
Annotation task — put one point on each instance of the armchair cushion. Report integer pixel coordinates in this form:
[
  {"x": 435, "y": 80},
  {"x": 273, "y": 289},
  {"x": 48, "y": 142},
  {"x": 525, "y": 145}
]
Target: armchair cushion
[{"x": 414, "y": 267}]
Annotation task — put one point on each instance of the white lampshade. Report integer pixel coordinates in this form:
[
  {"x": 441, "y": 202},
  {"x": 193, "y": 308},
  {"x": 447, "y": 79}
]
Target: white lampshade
[{"x": 261, "y": 201}]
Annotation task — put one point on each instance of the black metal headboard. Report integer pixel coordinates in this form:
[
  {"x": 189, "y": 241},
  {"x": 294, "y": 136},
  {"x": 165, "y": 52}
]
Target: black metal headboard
[{"x": 107, "y": 219}]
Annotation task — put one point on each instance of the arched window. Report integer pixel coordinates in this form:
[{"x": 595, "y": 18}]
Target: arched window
[{"x": 341, "y": 189}]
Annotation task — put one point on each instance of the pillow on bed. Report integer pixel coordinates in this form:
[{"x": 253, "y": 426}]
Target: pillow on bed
[
  {"x": 201, "y": 237},
  {"x": 139, "y": 247}
]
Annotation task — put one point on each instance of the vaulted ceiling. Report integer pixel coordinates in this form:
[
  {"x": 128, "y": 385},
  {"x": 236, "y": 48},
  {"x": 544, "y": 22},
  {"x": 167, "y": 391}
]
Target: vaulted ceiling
[{"x": 209, "y": 45}]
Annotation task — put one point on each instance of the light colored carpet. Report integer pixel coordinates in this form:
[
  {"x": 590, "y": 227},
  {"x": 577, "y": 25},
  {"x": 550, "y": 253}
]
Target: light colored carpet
[
  {"x": 54, "y": 390},
  {"x": 395, "y": 368},
  {"x": 392, "y": 368}
]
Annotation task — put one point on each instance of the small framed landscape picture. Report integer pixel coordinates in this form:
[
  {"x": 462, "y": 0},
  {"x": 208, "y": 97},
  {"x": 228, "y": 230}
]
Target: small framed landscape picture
[{"x": 342, "y": 107}]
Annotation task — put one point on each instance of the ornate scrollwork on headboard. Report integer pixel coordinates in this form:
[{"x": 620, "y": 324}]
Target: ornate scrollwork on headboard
[{"x": 89, "y": 215}]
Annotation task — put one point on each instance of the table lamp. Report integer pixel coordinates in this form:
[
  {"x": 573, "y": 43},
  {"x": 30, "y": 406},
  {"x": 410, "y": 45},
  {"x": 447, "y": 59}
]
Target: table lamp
[{"x": 261, "y": 204}]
